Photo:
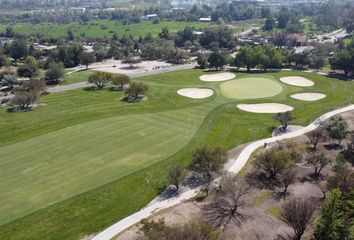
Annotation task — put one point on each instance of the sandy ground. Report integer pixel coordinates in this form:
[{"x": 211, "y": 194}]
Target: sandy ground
[
  {"x": 218, "y": 77},
  {"x": 265, "y": 108},
  {"x": 308, "y": 96},
  {"x": 297, "y": 81},
  {"x": 196, "y": 93},
  {"x": 140, "y": 69}
]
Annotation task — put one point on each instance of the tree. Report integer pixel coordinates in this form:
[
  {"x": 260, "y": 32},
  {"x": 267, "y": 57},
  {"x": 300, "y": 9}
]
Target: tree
[
  {"x": 343, "y": 180},
  {"x": 207, "y": 161},
  {"x": 224, "y": 207},
  {"x": 18, "y": 48},
  {"x": 218, "y": 59},
  {"x": 275, "y": 160},
  {"x": 269, "y": 24},
  {"x": 100, "y": 79},
  {"x": 284, "y": 118},
  {"x": 335, "y": 218},
  {"x": 176, "y": 175},
  {"x": 348, "y": 152},
  {"x": 318, "y": 161},
  {"x": 120, "y": 80},
  {"x": 87, "y": 58},
  {"x": 55, "y": 72},
  {"x": 202, "y": 61},
  {"x": 10, "y": 80},
  {"x": 269, "y": 57},
  {"x": 315, "y": 136},
  {"x": 165, "y": 34},
  {"x": 288, "y": 177},
  {"x": 337, "y": 129},
  {"x": 246, "y": 57},
  {"x": 297, "y": 214},
  {"x": 136, "y": 91},
  {"x": 343, "y": 60},
  {"x": 29, "y": 69},
  {"x": 23, "y": 99},
  {"x": 131, "y": 61}
]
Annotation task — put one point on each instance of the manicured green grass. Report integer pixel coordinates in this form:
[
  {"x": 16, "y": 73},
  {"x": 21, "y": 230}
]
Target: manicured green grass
[
  {"x": 101, "y": 28},
  {"x": 251, "y": 87},
  {"x": 108, "y": 158},
  {"x": 80, "y": 76}
]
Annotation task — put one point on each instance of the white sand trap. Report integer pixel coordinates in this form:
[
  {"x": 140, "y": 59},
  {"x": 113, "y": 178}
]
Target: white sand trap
[
  {"x": 297, "y": 81},
  {"x": 218, "y": 77},
  {"x": 265, "y": 107},
  {"x": 308, "y": 96},
  {"x": 196, "y": 93}
]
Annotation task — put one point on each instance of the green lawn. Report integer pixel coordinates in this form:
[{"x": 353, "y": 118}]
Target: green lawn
[
  {"x": 101, "y": 28},
  {"x": 251, "y": 87},
  {"x": 87, "y": 159},
  {"x": 80, "y": 76}
]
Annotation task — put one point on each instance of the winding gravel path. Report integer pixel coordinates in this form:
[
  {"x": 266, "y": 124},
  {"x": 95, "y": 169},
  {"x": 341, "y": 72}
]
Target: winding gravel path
[{"x": 237, "y": 165}]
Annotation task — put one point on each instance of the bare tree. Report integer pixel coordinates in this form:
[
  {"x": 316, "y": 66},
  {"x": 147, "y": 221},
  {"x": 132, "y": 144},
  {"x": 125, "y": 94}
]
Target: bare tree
[
  {"x": 318, "y": 161},
  {"x": 287, "y": 178},
  {"x": 343, "y": 180},
  {"x": 176, "y": 175},
  {"x": 315, "y": 136},
  {"x": 297, "y": 214},
  {"x": 284, "y": 118},
  {"x": 224, "y": 207}
]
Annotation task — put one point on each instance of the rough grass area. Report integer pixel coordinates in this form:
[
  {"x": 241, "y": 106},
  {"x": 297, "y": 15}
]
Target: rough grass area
[
  {"x": 101, "y": 28},
  {"x": 251, "y": 87},
  {"x": 88, "y": 159}
]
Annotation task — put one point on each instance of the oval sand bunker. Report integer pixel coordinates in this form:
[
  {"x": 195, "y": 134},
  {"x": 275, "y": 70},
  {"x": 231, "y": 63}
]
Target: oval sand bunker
[
  {"x": 218, "y": 77},
  {"x": 196, "y": 93},
  {"x": 265, "y": 107},
  {"x": 308, "y": 96},
  {"x": 297, "y": 81}
]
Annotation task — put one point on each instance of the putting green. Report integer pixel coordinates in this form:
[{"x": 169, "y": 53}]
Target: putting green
[{"x": 250, "y": 87}]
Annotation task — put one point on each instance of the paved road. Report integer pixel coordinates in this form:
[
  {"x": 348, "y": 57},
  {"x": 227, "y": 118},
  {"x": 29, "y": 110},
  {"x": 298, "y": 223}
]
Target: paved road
[
  {"x": 63, "y": 88},
  {"x": 237, "y": 165}
]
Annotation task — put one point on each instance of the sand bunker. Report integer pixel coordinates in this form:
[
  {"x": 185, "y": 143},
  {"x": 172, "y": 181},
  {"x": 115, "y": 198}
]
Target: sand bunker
[
  {"x": 308, "y": 96},
  {"x": 196, "y": 93},
  {"x": 297, "y": 81},
  {"x": 265, "y": 107},
  {"x": 219, "y": 77}
]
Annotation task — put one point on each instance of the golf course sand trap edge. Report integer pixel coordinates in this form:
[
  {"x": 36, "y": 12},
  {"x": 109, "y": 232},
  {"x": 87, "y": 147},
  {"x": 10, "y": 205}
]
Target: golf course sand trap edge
[
  {"x": 195, "y": 93},
  {"x": 218, "y": 77},
  {"x": 265, "y": 107},
  {"x": 297, "y": 81},
  {"x": 308, "y": 96}
]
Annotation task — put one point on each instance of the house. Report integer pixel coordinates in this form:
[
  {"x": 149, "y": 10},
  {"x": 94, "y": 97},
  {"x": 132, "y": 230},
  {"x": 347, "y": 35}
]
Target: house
[
  {"x": 205, "y": 19},
  {"x": 150, "y": 16},
  {"x": 298, "y": 40}
]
